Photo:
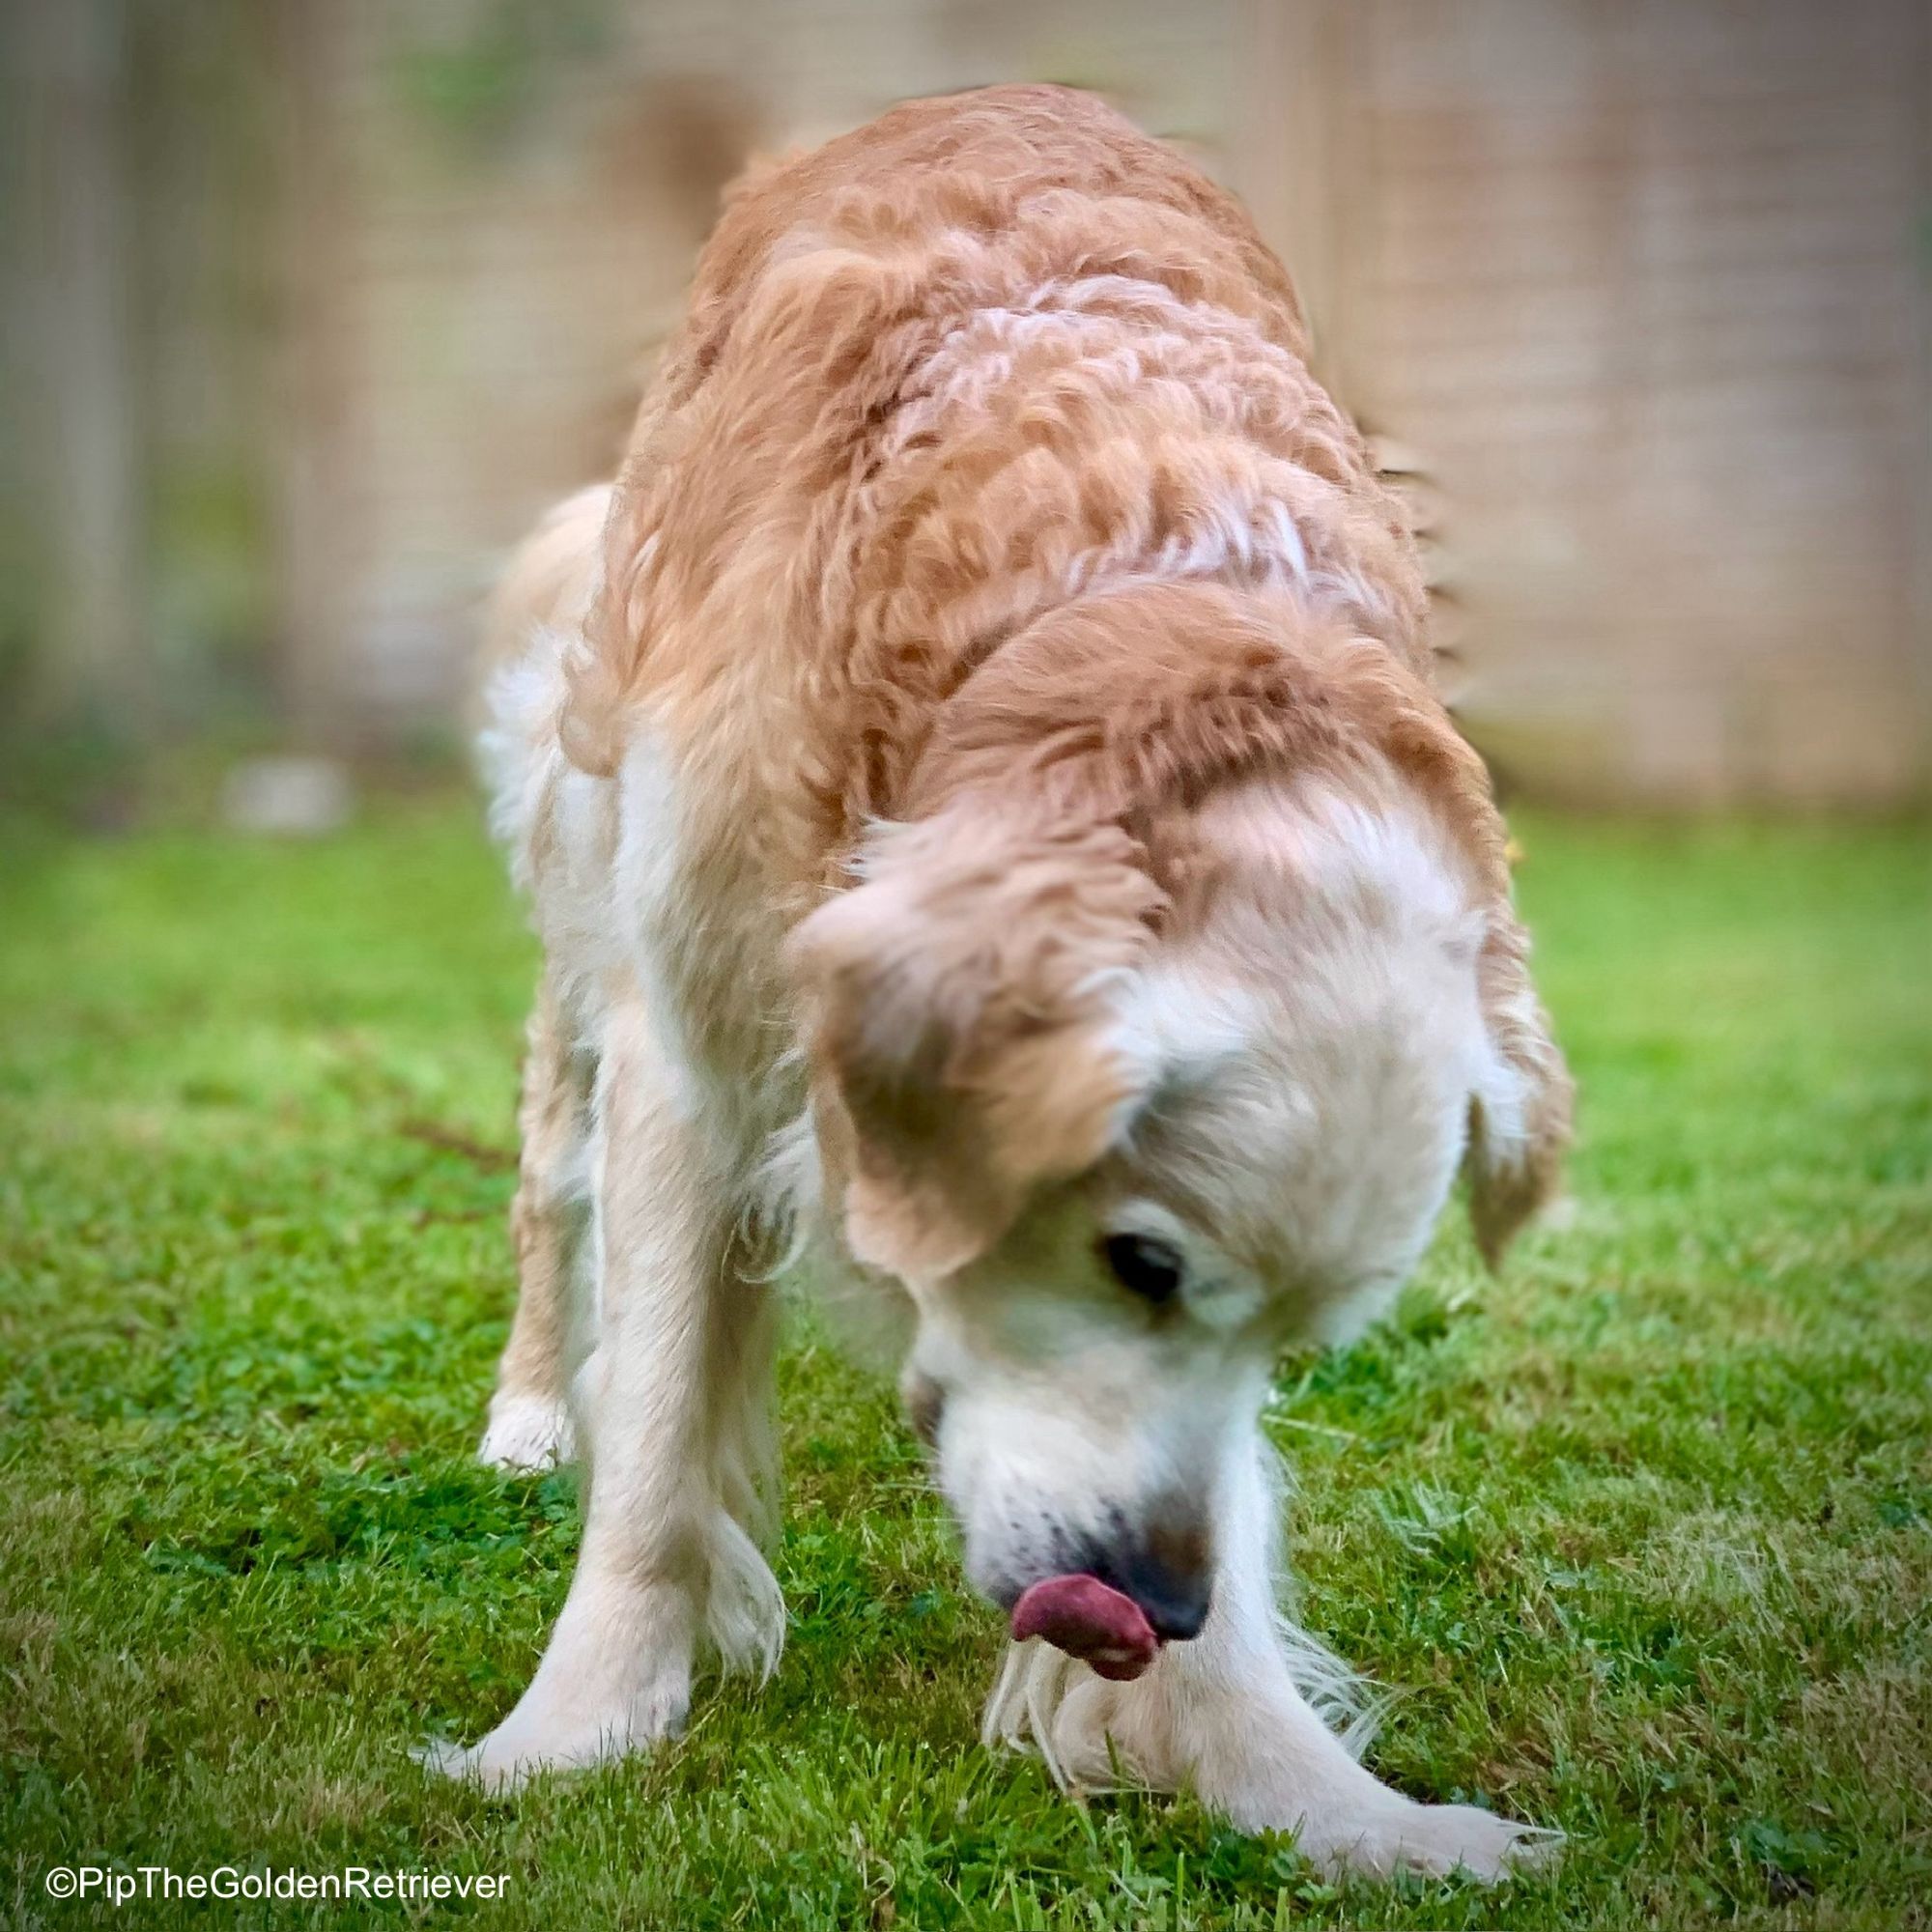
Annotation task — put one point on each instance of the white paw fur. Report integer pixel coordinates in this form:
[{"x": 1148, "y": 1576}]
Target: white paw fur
[
  {"x": 527, "y": 1432},
  {"x": 616, "y": 1677},
  {"x": 1265, "y": 1761},
  {"x": 563, "y": 1734}
]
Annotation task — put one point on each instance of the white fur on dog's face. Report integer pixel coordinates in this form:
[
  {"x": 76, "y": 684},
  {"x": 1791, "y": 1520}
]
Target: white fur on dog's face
[
  {"x": 1074, "y": 1426},
  {"x": 1304, "y": 1064}
]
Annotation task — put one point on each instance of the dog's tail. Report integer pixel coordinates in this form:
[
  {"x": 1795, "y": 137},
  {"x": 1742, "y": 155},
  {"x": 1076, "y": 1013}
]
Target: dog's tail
[
  {"x": 536, "y": 615},
  {"x": 550, "y": 580}
]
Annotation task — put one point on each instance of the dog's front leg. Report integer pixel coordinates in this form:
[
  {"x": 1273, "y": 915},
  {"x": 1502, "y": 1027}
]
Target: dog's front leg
[
  {"x": 660, "y": 1404},
  {"x": 1225, "y": 1715}
]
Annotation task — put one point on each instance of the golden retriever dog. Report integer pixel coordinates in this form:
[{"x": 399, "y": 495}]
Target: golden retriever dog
[{"x": 992, "y": 832}]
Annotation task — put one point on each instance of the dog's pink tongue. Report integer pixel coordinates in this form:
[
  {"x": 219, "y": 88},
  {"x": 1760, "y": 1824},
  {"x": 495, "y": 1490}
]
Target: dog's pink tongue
[{"x": 1085, "y": 1618}]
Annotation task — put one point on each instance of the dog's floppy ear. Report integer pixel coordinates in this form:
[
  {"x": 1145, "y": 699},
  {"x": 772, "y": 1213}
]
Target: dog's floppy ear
[
  {"x": 956, "y": 1001},
  {"x": 1519, "y": 1112}
]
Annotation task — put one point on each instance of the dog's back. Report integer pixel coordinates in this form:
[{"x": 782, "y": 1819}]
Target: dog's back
[{"x": 992, "y": 354}]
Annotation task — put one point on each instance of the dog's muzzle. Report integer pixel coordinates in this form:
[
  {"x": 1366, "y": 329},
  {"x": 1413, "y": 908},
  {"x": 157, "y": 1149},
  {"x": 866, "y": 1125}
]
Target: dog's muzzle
[
  {"x": 1166, "y": 1575},
  {"x": 1119, "y": 1600}
]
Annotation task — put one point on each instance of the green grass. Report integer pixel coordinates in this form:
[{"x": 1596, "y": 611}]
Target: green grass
[{"x": 1644, "y": 1530}]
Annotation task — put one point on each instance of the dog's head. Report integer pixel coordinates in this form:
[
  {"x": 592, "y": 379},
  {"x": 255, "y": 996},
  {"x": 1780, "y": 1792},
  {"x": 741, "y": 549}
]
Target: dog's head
[{"x": 1125, "y": 1114}]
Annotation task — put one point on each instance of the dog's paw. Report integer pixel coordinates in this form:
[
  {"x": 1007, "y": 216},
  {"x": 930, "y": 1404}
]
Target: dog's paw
[
  {"x": 1265, "y": 1767},
  {"x": 527, "y": 1433},
  {"x": 616, "y": 1678},
  {"x": 1435, "y": 1840},
  {"x": 528, "y": 1744}
]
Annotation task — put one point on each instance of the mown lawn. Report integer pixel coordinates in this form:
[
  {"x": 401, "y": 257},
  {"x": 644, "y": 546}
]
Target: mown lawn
[{"x": 1644, "y": 1530}]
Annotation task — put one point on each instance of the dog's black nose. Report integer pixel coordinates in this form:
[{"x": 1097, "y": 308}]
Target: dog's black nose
[
  {"x": 1168, "y": 1573},
  {"x": 1174, "y": 1603}
]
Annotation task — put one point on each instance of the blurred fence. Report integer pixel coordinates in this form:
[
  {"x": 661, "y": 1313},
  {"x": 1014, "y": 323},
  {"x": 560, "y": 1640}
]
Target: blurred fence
[{"x": 315, "y": 302}]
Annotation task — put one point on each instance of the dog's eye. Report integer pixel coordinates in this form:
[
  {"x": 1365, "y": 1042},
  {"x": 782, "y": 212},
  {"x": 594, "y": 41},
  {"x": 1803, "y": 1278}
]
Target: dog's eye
[{"x": 1151, "y": 1268}]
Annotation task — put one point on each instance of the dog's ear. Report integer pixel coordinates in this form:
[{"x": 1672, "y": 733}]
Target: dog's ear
[
  {"x": 956, "y": 1004},
  {"x": 1519, "y": 1112}
]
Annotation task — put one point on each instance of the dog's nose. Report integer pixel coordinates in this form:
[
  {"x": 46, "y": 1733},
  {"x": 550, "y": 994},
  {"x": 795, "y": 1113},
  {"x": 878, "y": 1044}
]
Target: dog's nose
[
  {"x": 1168, "y": 1573},
  {"x": 1174, "y": 1602}
]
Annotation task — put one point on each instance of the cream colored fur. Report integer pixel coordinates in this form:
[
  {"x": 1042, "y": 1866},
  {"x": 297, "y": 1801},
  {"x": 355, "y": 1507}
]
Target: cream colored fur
[{"x": 980, "y": 788}]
